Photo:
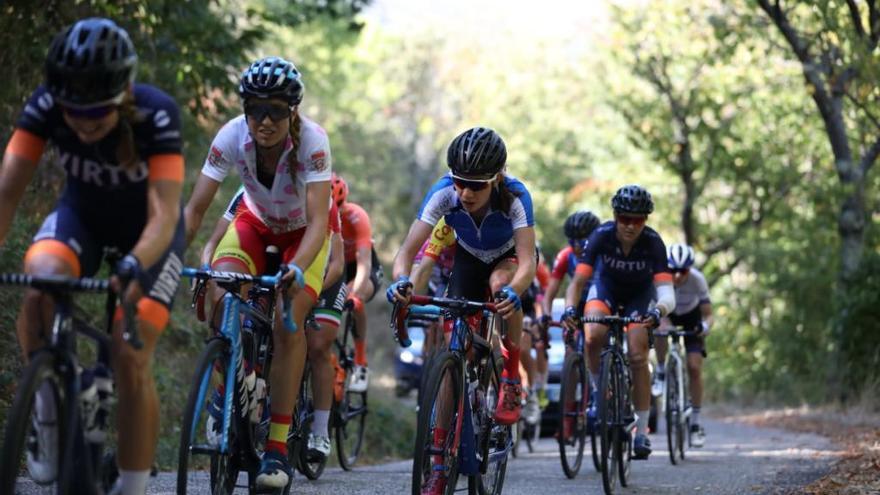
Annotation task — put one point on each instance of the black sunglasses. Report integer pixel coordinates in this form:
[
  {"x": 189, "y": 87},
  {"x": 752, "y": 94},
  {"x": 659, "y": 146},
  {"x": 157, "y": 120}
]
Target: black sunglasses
[
  {"x": 259, "y": 111},
  {"x": 91, "y": 113}
]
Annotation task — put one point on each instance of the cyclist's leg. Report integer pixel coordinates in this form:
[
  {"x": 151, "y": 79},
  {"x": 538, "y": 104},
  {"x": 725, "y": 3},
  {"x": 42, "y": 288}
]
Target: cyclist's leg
[
  {"x": 637, "y": 338},
  {"x": 138, "y": 401},
  {"x": 508, "y": 410},
  {"x": 328, "y": 313},
  {"x": 526, "y": 359}
]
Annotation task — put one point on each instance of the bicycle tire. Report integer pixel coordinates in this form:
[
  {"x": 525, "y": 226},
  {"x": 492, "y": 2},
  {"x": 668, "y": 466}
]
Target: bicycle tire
[
  {"x": 445, "y": 364},
  {"x": 350, "y": 417},
  {"x": 224, "y": 468},
  {"x": 625, "y": 413},
  {"x": 608, "y": 423},
  {"x": 312, "y": 467},
  {"x": 573, "y": 376},
  {"x": 672, "y": 411},
  {"x": 493, "y": 439},
  {"x": 18, "y": 420}
]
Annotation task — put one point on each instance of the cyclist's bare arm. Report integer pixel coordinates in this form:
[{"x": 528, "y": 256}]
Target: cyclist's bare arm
[
  {"x": 364, "y": 268},
  {"x": 421, "y": 274},
  {"x": 19, "y": 164},
  {"x": 582, "y": 273},
  {"x": 525, "y": 256},
  {"x": 202, "y": 195},
  {"x": 550, "y": 294},
  {"x": 706, "y": 312},
  {"x": 164, "y": 189},
  {"x": 219, "y": 229},
  {"x": 317, "y": 213},
  {"x": 403, "y": 261},
  {"x": 336, "y": 263}
]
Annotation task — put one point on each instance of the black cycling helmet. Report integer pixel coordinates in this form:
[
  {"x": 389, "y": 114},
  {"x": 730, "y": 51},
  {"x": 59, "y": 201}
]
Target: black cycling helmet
[
  {"x": 632, "y": 199},
  {"x": 580, "y": 224},
  {"x": 272, "y": 77},
  {"x": 479, "y": 153},
  {"x": 90, "y": 63}
]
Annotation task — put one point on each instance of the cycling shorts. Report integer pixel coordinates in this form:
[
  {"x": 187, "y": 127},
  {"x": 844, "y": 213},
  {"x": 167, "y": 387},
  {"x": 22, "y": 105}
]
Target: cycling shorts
[
  {"x": 470, "y": 275},
  {"x": 602, "y": 297},
  {"x": 331, "y": 302},
  {"x": 68, "y": 235},
  {"x": 376, "y": 276},
  {"x": 692, "y": 320},
  {"x": 245, "y": 243}
]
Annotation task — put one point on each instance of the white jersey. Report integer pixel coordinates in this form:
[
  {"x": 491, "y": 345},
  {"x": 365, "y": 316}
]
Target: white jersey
[
  {"x": 283, "y": 206},
  {"x": 693, "y": 292}
]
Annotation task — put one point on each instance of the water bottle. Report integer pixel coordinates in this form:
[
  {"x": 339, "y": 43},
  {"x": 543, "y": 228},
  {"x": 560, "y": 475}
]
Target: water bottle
[{"x": 96, "y": 397}]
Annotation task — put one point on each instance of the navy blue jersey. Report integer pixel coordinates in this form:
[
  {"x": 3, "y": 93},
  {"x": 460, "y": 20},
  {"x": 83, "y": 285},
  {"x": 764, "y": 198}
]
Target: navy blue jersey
[
  {"x": 105, "y": 193},
  {"x": 645, "y": 263}
]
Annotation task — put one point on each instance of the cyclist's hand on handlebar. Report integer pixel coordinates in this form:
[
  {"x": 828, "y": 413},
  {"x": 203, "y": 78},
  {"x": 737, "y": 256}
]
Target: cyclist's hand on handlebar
[
  {"x": 508, "y": 302},
  {"x": 651, "y": 318},
  {"x": 570, "y": 318},
  {"x": 293, "y": 279},
  {"x": 544, "y": 321},
  {"x": 125, "y": 282},
  {"x": 399, "y": 290}
]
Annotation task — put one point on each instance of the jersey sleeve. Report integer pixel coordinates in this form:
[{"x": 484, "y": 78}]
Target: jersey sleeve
[
  {"x": 442, "y": 237},
  {"x": 163, "y": 125},
  {"x": 360, "y": 224},
  {"x": 37, "y": 113},
  {"x": 234, "y": 203},
  {"x": 221, "y": 156},
  {"x": 542, "y": 274},
  {"x": 333, "y": 222},
  {"x": 560, "y": 265},
  {"x": 438, "y": 202},
  {"x": 318, "y": 162},
  {"x": 703, "y": 288},
  {"x": 521, "y": 211},
  {"x": 662, "y": 273}
]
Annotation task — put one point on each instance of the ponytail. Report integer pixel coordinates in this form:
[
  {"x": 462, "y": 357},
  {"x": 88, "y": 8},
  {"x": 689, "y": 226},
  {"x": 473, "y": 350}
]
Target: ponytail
[
  {"x": 295, "y": 127},
  {"x": 502, "y": 197}
]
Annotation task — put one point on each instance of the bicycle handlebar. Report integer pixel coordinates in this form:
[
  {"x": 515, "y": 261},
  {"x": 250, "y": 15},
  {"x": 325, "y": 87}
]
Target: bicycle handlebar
[
  {"x": 610, "y": 320},
  {"x": 429, "y": 306},
  {"x": 268, "y": 281},
  {"x": 676, "y": 332}
]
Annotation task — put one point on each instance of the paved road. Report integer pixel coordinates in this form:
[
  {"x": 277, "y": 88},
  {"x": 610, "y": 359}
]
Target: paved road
[{"x": 737, "y": 459}]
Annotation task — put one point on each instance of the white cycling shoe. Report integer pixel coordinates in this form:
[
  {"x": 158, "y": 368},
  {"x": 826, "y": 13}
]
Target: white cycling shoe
[{"x": 360, "y": 379}]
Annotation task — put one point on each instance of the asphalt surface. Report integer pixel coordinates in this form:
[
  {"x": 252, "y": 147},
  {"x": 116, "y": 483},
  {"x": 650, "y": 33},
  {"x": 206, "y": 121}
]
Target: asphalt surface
[{"x": 737, "y": 459}]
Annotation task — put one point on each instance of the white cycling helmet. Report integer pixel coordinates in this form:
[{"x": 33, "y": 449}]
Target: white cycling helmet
[{"x": 679, "y": 256}]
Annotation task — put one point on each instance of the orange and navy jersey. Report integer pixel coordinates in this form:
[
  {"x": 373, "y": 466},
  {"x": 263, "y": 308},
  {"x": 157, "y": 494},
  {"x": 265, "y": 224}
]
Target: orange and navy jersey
[
  {"x": 97, "y": 186},
  {"x": 356, "y": 230},
  {"x": 645, "y": 263}
]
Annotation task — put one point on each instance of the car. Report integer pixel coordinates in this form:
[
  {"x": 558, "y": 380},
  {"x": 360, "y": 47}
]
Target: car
[
  {"x": 555, "y": 360},
  {"x": 408, "y": 363}
]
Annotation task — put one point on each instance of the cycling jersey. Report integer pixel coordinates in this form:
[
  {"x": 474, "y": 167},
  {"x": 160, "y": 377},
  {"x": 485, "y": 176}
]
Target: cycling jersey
[
  {"x": 440, "y": 247},
  {"x": 356, "y": 230},
  {"x": 282, "y": 208},
  {"x": 565, "y": 263},
  {"x": 493, "y": 238},
  {"x": 692, "y": 293},
  {"x": 237, "y": 203},
  {"x": 104, "y": 203}
]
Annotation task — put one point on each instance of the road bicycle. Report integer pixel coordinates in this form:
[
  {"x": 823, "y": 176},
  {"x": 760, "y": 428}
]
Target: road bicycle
[
  {"x": 459, "y": 397},
  {"x": 231, "y": 377},
  {"x": 349, "y": 415},
  {"x": 82, "y": 465},
  {"x": 677, "y": 393}
]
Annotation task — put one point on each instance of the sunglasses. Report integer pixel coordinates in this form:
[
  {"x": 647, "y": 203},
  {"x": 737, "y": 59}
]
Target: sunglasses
[
  {"x": 680, "y": 271},
  {"x": 578, "y": 243},
  {"x": 90, "y": 113},
  {"x": 472, "y": 184},
  {"x": 630, "y": 220},
  {"x": 259, "y": 111}
]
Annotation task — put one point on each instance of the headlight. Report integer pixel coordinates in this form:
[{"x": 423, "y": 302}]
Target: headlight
[{"x": 407, "y": 357}]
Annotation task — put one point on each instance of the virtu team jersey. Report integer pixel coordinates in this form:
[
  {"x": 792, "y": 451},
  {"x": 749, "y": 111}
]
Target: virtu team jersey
[
  {"x": 692, "y": 293},
  {"x": 282, "y": 208},
  {"x": 646, "y": 262},
  {"x": 494, "y": 236},
  {"x": 356, "y": 230},
  {"x": 97, "y": 186},
  {"x": 237, "y": 203}
]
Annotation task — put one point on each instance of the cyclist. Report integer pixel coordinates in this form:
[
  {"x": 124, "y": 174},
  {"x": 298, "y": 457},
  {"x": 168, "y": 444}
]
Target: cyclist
[
  {"x": 693, "y": 310},
  {"x": 283, "y": 160},
  {"x": 532, "y": 337},
  {"x": 328, "y": 314},
  {"x": 494, "y": 225},
  {"x": 633, "y": 272},
  {"x": 432, "y": 268},
  {"x": 363, "y": 274},
  {"x": 119, "y": 144},
  {"x": 577, "y": 229}
]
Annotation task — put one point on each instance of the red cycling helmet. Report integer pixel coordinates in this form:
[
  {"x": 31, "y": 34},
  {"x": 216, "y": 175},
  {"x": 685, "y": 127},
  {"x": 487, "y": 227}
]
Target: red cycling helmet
[{"x": 339, "y": 189}]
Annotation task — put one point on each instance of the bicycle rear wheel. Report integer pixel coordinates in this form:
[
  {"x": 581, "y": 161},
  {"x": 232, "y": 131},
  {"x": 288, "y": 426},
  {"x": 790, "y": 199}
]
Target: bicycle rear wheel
[
  {"x": 442, "y": 403},
  {"x": 673, "y": 414},
  {"x": 494, "y": 441},
  {"x": 311, "y": 466},
  {"x": 21, "y": 433},
  {"x": 573, "y": 393},
  {"x": 350, "y": 418},
  {"x": 199, "y": 441},
  {"x": 608, "y": 423}
]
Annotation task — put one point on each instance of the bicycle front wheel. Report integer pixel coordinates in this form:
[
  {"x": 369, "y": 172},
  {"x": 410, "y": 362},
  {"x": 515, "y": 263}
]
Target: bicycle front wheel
[
  {"x": 573, "y": 393},
  {"x": 494, "y": 441},
  {"x": 201, "y": 433},
  {"x": 436, "y": 432},
  {"x": 34, "y": 440},
  {"x": 350, "y": 418},
  {"x": 608, "y": 422},
  {"x": 673, "y": 412}
]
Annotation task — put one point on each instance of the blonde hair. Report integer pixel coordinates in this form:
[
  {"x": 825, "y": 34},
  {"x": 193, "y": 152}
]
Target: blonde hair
[
  {"x": 126, "y": 151},
  {"x": 295, "y": 127}
]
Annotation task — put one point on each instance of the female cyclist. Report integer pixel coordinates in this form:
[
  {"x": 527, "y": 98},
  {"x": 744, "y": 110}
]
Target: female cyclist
[
  {"x": 119, "y": 144},
  {"x": 283, "y": 160},
  {"x": 491, "y": 214}
]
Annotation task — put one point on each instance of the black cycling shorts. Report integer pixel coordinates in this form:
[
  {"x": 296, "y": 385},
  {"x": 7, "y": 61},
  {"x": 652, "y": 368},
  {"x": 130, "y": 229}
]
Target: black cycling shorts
[
  {"x": 692, "y": 320},
  {"x": 376, "y": 276}
]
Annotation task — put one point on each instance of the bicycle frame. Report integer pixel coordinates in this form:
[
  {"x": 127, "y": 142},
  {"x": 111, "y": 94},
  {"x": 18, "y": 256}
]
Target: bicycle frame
[{"x": 675, "y": 354}]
